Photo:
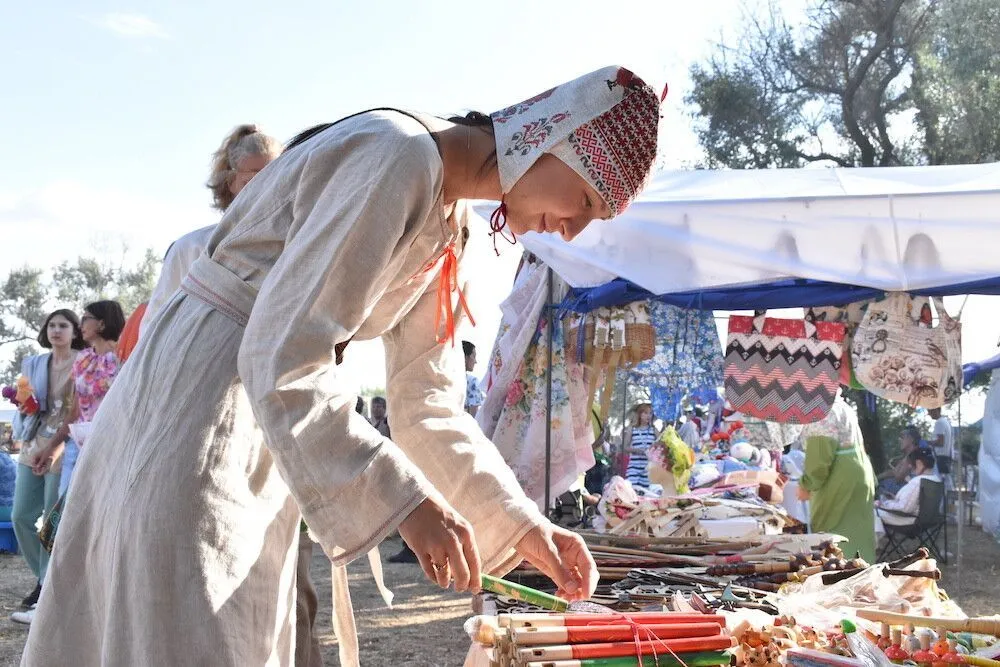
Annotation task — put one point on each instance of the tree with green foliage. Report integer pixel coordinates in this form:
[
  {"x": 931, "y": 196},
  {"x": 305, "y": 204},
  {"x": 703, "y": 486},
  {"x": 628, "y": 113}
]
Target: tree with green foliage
[
  {"x": 862, "y": 83},
  {"x": 956, "y": 83},
  {"x": 28, "y": 297},
  {"x": 22, "y": 305},
  {"x": 830, "y": 91}
]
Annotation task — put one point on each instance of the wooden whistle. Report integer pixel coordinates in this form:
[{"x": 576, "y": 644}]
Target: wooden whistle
[
  {"x": 934, "y": 574},
  {"x": 833, "y": 577},
  {"x": 906, "y": 561},
  {"x": 611, "y": 633},
  {"x": 569, "y": 620},
  {"x": 986, "y": 626},
  {"x": 621, "y": 649}
]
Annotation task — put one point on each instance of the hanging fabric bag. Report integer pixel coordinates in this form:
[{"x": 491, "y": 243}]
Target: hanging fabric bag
[
  {"x": 783, "y": 370},
  {"x": 899, "y": 355}
]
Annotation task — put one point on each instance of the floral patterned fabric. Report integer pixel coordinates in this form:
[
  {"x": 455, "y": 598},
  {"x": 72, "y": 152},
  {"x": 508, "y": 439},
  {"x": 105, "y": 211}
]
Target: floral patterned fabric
[
  {"x": 92, "y": 377},
  {"x": 688, "y": 359},
  {"x": 473, "y": 394},
  {"x": 519, "y": 424}
]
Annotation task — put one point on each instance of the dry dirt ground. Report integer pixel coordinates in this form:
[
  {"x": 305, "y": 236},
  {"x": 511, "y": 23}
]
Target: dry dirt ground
[{"x": 424, "y": 627}]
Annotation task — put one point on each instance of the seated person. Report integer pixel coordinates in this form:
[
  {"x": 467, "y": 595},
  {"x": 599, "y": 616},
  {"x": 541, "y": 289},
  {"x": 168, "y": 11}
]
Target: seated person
[
  {"x": 907, "y": 500},
  {"x": 893, "y": 479}
]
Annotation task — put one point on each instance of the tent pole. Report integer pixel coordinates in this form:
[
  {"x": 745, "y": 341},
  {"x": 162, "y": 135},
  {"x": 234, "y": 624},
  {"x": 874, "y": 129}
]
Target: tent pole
[
  {"x": 959, "y": 484},
  {"x": 548, "y": 395},
  {"x": 624, "y": 473}
]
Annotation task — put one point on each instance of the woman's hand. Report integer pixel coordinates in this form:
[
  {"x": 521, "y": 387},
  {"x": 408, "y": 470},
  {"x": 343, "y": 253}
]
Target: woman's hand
[
  {"x": 41, "y": 461},
  {"x": 563, "y": 557},
  {"x": 444, "y": 544},
  {"x": 803, "y": 493}
]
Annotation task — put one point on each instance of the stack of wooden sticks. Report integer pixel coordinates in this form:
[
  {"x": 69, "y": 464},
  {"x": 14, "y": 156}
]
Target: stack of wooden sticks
[{"x": 664, "y": 639}]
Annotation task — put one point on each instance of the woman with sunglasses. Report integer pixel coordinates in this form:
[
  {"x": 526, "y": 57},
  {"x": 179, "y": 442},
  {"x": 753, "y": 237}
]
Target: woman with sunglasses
[{"x": 93, "y": 372}]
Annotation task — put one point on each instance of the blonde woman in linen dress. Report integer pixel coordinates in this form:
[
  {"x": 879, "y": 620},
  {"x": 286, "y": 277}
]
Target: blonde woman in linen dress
[{"x": 184, "y": 552}]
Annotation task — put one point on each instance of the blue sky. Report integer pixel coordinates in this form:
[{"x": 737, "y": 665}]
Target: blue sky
[
  {"x": 135, "y": 96},
  {"x": 111, "y": 110}
]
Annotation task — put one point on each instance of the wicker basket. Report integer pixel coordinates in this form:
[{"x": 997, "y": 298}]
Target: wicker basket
[{"x": 607, "y": 330}]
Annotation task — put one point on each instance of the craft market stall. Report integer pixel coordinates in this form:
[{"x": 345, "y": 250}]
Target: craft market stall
[
  {"x": 783, "y": 600},
  {"x": 717, "y": 565}
]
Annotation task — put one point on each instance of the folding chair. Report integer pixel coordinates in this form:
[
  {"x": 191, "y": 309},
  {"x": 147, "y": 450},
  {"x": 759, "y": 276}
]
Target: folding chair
[{"x": 930, "y": 522}]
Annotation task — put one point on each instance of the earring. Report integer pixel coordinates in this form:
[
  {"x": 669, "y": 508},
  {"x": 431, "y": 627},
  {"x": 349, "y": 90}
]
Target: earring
[{"x": 498, "y": 222}]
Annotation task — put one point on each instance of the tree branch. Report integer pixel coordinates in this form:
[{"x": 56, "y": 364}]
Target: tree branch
[
  {"x": 841, "y": 161},
  {"x": 856, "y": 79},
  {"x": 15, "y": 339}
]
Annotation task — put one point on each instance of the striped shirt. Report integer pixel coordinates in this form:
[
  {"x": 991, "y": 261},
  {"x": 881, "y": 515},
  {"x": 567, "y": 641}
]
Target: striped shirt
[{"x": 642, "y": 438}]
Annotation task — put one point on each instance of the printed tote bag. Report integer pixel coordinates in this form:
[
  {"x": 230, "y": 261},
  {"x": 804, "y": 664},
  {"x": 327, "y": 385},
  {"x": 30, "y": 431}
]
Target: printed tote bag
[{"x": 899, "y": 355}]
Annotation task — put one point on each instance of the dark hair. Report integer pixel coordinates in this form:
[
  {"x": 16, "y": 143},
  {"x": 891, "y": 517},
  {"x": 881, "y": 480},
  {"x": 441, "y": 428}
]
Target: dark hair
[
  {"x": 359, "y": 407},
  {"x": 468, "y": 348},
  {"x": 921, "y": 454},
  {"x": 482, "y": 121},
  {"x": 109, "y": 312},
  {"x": 43, "y": 335},
  {"x": 305, "y": 135},
  {"x": 471, "y": 119},
  {"x": 378, "y": 399}
]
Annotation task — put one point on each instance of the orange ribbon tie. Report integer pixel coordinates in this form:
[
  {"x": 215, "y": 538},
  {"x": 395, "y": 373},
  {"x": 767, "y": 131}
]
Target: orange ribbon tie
[{"x": 448, "y": 283}]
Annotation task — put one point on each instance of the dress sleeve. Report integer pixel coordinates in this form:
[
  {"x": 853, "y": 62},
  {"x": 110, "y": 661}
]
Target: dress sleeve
[
  {"x": 425, "y": 401},
  {"x": 820, "y": 452},
  {"x": 907, "y": 500},
  {"x": 352, "y": 215}
]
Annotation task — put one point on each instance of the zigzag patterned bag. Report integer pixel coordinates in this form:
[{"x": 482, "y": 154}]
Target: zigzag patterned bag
[{"x": 785, "y": 371}]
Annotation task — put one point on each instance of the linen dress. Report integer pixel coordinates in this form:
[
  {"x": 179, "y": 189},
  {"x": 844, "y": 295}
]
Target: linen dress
[
  {"x": 839, "y": 475},
  {"x": 183, "y": 551}
]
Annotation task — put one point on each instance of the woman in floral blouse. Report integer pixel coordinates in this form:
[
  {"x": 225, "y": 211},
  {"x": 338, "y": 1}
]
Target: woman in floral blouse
[{"x": 93, "y": 372}]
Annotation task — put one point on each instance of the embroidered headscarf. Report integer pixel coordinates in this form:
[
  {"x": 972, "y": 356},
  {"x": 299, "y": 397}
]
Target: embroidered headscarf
[{"x": 603, "y": 125}]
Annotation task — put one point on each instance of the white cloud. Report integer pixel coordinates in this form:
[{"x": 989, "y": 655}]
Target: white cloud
[{"x": 132, "y": 25}]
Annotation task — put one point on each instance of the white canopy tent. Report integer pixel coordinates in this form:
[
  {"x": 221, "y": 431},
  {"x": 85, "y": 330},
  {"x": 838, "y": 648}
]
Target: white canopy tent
[
  {"x": 893, "y": 228},
  {"x": 890, "y": 228}
]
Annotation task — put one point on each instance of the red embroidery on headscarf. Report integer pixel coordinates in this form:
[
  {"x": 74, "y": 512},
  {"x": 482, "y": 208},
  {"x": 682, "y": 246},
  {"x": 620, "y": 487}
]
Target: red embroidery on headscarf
[
  {"x": 624, "y": 77},
  {"x": 498, "y": 222}
]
